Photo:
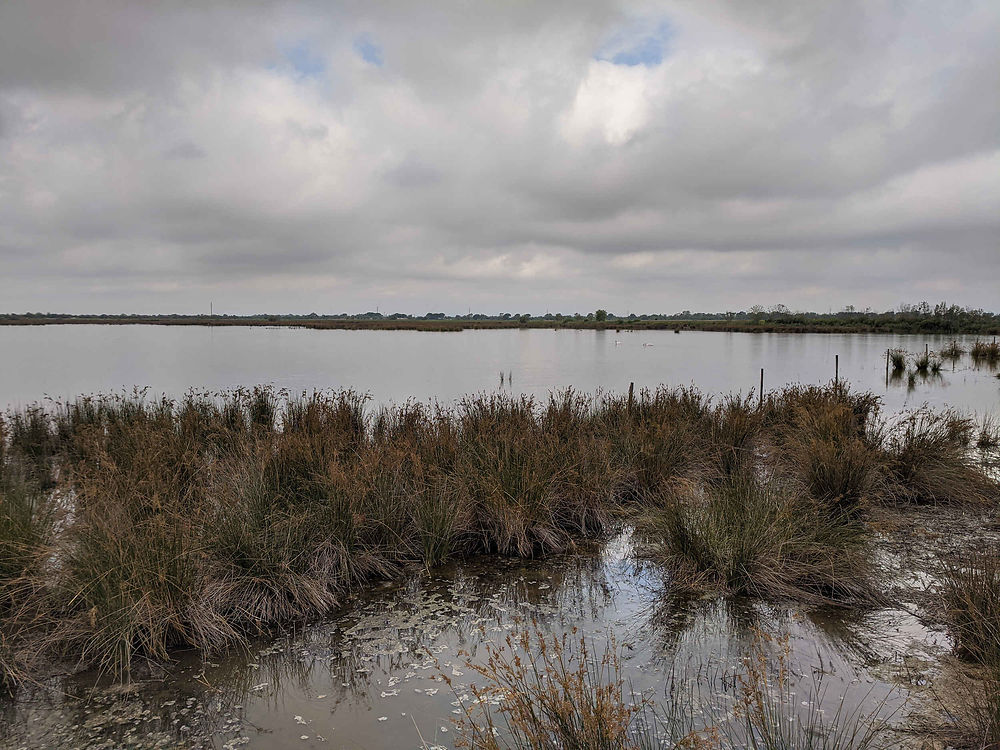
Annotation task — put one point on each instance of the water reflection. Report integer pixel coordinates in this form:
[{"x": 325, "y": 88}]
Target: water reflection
[
  {"x": 399, "y": 365},
  {"x": 372, "y": 676}
]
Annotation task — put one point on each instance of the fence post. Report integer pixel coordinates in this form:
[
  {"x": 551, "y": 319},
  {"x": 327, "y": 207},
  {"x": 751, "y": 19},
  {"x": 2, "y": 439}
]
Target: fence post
[
  {"x": 761, "y": 396},
  {"x": 887, "y": 368},
  {"x": 631, "y": 388},
  {"x": 836, "y": 369}
]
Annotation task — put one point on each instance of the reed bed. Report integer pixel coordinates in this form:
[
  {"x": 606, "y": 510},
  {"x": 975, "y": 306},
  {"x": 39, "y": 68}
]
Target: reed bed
[
  {"x": 986, "y": 352},
  {"x": 131, "y": 525}
]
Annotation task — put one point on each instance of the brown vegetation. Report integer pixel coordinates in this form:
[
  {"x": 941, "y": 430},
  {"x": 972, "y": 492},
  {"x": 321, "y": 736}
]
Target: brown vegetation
[{"x": 131, "y": 525}]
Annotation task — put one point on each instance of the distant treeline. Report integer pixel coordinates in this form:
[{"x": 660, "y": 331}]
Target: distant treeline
[{"x": 918, "y": 318}]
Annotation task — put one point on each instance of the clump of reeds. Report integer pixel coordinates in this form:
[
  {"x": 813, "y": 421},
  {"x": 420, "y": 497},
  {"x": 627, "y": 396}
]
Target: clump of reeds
[
  {"x": 830, "y": 440},
  {"x": 27, "y": 526},
  {"x": 988, "y": 436},
  {"x": 760, "y": 538},
  {"x": 897, "y": 357},
  {"x": 767, "y": 713},
  {"x": 952, "y": 350},
  {"x": 971, "y": 593},
  {"x": 986, "y": 351},
  {"x": 927, "y": 363},
  {"x": 553, "y": 692},
  {"x": 928, "y": 461},
  {"x": 549, "y": 692},
  {"x": 661, "y": 436}
]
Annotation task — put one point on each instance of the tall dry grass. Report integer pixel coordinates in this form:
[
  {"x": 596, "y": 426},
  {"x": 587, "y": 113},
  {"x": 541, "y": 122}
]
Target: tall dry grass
[
  {"x": 547, "y": 692},
  {"x": 971, "y": 594},
  {"x": 543, "y": 692},
  {"x": 201, "y": 521},
  {"x": 928, "y": 461},
  {"x": 759, "y": 538}
]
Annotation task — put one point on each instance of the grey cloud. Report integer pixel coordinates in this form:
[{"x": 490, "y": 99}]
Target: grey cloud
[
  {"x": 185, "y": 150},
  {"x": 781, "y": 151},
  {"x": 412, "y": 173}
]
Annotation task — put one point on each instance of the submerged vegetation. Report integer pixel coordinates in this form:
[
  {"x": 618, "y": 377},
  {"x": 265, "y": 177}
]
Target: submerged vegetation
[{"x": 131, "y": 525}]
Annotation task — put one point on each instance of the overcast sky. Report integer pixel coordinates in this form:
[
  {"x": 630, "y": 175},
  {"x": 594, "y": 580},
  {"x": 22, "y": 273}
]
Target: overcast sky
[{"x": 504, "y": 156}]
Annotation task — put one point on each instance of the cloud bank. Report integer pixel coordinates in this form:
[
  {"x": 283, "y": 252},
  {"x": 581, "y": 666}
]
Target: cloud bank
[{"x": 643, "y": 157}]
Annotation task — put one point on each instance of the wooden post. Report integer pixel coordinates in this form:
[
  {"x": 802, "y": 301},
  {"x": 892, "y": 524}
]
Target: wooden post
[
  {"x": 631, "y": 396},
  {"x": 927, "y": 349},
  {"x": 887, "y": 367},
  {"x": 836, "y": 369},
  {"x": 761, "y": 397}
]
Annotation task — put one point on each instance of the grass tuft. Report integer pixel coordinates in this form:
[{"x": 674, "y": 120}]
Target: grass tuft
[
  {"x": 928, "y": 461},
  {"x": 759, "y": 538}
]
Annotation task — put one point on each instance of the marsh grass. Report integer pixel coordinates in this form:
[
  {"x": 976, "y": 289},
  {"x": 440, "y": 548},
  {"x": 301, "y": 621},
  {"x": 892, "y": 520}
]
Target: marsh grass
[
  {"x": 972, "y": 599},
  {"x": 203, "y": 521},
  {"x": 27, "y": 526},
  {"x": 952, "y": 350},
  {"x": 759, "y": 538},
  {"x": 928, "y": 461},
  {"x": 971, "y": 595},
  {"x": 988, "y": 434},
  {"x": 897, "y": 357},
  {"x": 987, "y": 352},
  {"x": 830, "y": 440},
  {"x": 767, "y": 717},
  {"x": 546, "y": 692}
]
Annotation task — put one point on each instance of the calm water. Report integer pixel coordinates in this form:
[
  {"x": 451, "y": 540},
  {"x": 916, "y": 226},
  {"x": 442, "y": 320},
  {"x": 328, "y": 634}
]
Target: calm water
[
  {"x": 65, "y": 361},
  {"x": 370, "y": 675}
]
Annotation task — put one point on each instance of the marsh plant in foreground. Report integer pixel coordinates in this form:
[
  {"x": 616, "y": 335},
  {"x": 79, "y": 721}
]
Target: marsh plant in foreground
[
  {"x": 971, "y": 594},
  {"x": 546, "y": 692},
  {"x": 550, "y": 692}
]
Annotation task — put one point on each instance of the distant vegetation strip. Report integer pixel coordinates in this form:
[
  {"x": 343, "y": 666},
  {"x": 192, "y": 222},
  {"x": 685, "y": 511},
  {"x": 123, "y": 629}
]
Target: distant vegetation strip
[{"x": 920, "y": 318}]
